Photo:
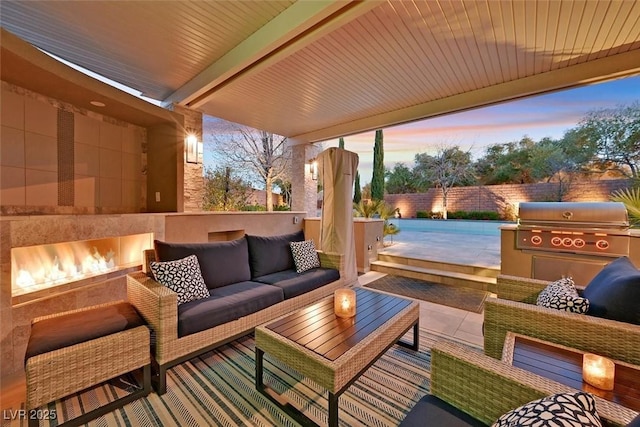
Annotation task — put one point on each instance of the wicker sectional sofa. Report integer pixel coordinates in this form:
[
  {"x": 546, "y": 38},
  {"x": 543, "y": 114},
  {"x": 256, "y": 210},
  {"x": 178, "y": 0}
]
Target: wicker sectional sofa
[
  {"x": 251, "y": 280},
  {"x": 515, "y": 310}
]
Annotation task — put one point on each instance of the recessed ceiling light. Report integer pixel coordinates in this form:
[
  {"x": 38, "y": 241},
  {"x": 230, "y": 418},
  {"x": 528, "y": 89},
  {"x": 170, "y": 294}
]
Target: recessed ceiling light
[{"x": 98, "y": 103}]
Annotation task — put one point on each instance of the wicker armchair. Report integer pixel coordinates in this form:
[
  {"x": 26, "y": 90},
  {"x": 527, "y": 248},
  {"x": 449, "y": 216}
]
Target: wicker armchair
[
  {"x": 486, "y": 388},
  {"x": 158, "y": 305},
  {"x": 515, "y": 310}
]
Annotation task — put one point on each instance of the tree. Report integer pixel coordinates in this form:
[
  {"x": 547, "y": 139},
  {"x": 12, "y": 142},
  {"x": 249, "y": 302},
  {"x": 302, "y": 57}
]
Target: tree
[
  {"x": 224, "y": 190},
  {"x": 377, "y": 180},
  {"x": 285, "y": 190},
  {"x": 261, "y": 153},
  {"x": 341, "y": 143},
  {"x": 507, "y": 163},
  {"x": 366, "y": 191},
  {"x": 448, "y": 168},
  {"x": 357, "y": 190},
  {"x": 616, "y": 135},
  {"x": 402, "y": 180}
]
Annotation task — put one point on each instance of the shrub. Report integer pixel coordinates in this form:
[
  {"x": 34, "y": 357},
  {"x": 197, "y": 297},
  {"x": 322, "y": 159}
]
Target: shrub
[
  {"x": 422, "y": 214},
  {"x": 476, "y": 215}
]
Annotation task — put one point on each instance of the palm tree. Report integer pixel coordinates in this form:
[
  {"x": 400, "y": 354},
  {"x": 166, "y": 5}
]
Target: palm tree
[
  {"x": 378, "y": 208},
  {"x": 367, "y": 209},
  {"x": 631, "y": 199}
]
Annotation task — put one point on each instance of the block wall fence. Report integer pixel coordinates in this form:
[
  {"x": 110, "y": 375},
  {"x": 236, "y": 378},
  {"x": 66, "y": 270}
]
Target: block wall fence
[{"x": 499, "y": 198}]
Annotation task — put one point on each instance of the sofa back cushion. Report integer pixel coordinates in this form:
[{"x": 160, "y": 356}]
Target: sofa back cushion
[
  {"x": 614, "y": 293},
  {"x": 271, "y": 254},
  {"x": 221, "y": 263}
]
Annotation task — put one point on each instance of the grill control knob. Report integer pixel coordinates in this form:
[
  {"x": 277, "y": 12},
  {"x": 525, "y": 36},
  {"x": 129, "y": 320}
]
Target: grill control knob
[
  {"x": 567, "y": 242},
  {"x": 602, "y": 244},
  {"x": 536, "y": 240},
  {"x": 556, "y": 241},
  {"x": 579, "y": 243}
]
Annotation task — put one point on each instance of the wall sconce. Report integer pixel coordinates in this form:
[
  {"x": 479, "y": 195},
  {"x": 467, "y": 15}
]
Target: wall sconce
[
  {"x": 313, "y": 169},
  {"x": 194, "y": 149},
  {"x": 344, "y": 302},
  {"x": 598, "y": 371}
]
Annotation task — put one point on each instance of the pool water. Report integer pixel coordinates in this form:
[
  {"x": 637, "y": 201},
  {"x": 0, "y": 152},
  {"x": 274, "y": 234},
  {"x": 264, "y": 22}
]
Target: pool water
[{"x": 458, "y": 226}]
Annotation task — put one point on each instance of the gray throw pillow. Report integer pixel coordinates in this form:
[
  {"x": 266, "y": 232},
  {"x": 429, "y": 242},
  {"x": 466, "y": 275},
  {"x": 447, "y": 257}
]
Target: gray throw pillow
[
  {"x": 304, "y": 255},
  {"x": 615, "y": 292},
  {"x": 563, "y": 409},
  {"x": 182, "y": 276},
  {"x": 562, "y": 295}
]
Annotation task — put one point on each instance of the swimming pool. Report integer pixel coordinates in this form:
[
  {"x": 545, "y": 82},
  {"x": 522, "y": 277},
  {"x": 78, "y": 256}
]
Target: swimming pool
[{"x": 459, "y": 226}]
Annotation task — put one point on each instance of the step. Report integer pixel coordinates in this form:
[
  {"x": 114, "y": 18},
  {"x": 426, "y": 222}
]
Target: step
[
  {"x": 474, "y": 270},
  {"x": 452, "y": 278}
]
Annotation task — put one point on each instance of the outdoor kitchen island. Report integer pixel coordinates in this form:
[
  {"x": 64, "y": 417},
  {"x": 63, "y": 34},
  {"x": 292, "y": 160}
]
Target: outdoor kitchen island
[{"x": 332, "y": 351}]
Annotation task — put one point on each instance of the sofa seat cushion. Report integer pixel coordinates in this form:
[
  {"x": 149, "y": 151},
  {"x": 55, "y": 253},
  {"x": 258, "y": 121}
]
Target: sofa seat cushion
[
  {"x": 226, "y": 303},
  {"x": 221, "y": 263},
  {"x": 433, "y": 411},
  {"x": 614, "y": 293},
  {"x": 294, "y": 284},
  {"x": 270, "y": 254}
]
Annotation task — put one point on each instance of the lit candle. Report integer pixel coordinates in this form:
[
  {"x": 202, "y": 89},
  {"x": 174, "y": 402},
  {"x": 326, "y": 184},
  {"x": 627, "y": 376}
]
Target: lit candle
[
  {"x": 344, "y": 303},
  {"x": 598, "y": 371}
]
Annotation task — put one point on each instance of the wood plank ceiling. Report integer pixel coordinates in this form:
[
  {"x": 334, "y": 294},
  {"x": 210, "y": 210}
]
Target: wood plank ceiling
[{"x": 318, "y": 70}]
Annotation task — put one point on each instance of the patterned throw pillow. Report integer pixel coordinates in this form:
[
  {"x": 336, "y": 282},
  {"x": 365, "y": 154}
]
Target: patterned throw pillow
[
  {"x": 305, "y": 256},
  {"x": 563, "y": 409},
  {"x": 562, "y": 295},
  {"x": 182, "y": 276}
]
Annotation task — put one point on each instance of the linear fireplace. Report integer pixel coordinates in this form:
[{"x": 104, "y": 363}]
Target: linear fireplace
[{"x": 37, "y": 270}]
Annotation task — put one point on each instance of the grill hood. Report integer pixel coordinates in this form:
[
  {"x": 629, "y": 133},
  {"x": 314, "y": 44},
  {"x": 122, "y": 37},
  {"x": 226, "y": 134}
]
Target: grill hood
[{"x": 574, "y": 214}]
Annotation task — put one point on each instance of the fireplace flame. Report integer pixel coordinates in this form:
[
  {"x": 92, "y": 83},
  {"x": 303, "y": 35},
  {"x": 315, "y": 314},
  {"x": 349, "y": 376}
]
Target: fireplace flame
[
  {"x": 38, "y": 268},
  {"x": 37, "y": 273}
]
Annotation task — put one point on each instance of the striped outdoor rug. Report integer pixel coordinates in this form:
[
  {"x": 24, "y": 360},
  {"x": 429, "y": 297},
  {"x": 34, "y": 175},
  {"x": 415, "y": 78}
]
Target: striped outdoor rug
[{"x": 218, "y": 389}]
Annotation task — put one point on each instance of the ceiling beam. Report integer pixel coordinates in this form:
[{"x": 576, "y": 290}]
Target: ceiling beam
[
  {"x": 287, "y": 39},
  {"x": 288, "y": 26},
  {"x": 599, "y": 70}
]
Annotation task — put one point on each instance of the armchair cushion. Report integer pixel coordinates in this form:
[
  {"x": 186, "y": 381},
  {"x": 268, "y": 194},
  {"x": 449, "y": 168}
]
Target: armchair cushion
[
  {"x": 566, "y": 409},
  {"x": 76, "y": 327},
  {"x": 270, "y": 254},
  {"x": 182, "y": 276},
  {"x": 614, "y": 293},
  {"x": 433, "y": 411},
  {"x": 562, "y": 295}
]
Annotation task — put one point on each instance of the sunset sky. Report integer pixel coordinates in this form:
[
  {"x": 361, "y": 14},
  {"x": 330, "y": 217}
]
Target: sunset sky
[{"x": 545, "y": 115}]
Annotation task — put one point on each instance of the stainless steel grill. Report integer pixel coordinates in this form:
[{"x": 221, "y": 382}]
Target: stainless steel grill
[{"x": 595, "y": 228}]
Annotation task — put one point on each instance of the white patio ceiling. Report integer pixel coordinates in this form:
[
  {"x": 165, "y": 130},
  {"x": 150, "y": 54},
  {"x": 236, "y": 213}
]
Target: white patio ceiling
[{"x": 314, "y": 70}]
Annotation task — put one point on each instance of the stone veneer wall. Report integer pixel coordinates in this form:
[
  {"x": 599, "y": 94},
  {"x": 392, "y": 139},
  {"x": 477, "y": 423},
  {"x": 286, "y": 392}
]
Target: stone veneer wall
[
  {"x": 57, "y": 158},
  {"x": 497, "y": 197},
  {"x": 193, "y": 172},
  {"x": 304, "y": 189}
]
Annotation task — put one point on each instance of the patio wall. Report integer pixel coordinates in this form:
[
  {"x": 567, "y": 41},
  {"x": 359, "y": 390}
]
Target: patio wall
[{"x": 497, "y": 197}]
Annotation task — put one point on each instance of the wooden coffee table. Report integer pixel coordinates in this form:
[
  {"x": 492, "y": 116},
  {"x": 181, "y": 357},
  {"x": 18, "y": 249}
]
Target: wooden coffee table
[
  {"x": 331, "y": 351},
  {"x": 564, "y": 365}
]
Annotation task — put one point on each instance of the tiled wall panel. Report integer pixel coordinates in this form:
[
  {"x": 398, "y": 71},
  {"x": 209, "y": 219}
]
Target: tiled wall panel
[{"x": 57, "y": 158}]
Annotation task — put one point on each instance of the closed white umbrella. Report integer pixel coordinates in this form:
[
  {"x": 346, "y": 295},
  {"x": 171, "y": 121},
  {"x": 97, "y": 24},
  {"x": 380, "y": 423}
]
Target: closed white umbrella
[{"x": 337, "y": 169}]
